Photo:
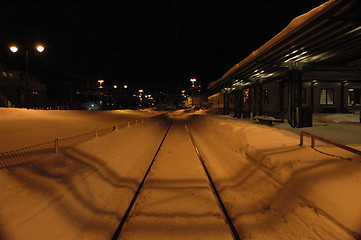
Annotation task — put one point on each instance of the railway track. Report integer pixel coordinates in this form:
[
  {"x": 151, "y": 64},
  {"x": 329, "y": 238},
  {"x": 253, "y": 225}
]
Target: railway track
[{"x": 211, "y": 186}]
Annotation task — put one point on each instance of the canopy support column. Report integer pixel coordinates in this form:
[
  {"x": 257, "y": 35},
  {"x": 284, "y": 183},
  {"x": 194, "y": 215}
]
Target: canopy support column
[{"x": 294, "y": 95}]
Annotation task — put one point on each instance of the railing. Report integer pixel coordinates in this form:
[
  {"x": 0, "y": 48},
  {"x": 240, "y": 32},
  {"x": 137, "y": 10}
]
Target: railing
[
  {"x": 313, "y": 137},
  {"x": 18, "y": 157}
]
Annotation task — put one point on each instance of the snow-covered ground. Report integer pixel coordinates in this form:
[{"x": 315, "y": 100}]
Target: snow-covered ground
[
  {"x": 273, "y": 188},
  {"x": 82, "y": 192},
  {"x": 243, "y": 157},
  {"x": 22, "y": 127}
]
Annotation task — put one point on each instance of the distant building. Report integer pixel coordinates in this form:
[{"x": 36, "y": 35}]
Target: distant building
[{"x": 19, "y": 90}]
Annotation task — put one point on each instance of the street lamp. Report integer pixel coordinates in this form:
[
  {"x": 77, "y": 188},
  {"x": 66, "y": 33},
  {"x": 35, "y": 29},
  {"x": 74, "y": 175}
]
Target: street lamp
[
  {"x": 101, "y": 81},
  {"x": 14, "y": 49},
  {"x": 40, "y": 48},
  {"x": 193, "y": 80}
]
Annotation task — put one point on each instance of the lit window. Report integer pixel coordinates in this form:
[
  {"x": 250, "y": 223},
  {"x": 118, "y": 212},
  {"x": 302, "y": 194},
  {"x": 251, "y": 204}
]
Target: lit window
[
  {"x": 327, "y": 96},
  {"x": 245, "y": 95},
  {"x": 5, "y": 74},
  {"x": 354, "y": 97}
]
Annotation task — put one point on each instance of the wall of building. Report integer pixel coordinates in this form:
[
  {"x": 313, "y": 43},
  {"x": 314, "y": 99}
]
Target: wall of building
[{"x": 22, "y": 91}]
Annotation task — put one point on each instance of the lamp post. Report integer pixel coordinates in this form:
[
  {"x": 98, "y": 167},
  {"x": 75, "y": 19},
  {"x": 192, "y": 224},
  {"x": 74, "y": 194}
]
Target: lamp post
[
  {"x": 193, "y": 80},
  {"x": 40, "y": 48},
  {"x": 14, "y": 48},
  {"x": 101, "y": 81}
]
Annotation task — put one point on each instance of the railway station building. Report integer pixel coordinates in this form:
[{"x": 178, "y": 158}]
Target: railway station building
[{"x": 311, "y": 66}]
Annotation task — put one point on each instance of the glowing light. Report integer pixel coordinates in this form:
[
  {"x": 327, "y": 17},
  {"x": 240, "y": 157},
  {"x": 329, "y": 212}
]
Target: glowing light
[
  {"x": 40, "y": 48},
  {"x": 140, "y": 90},
  {"x": 115, "y": 86},
  {"x": 125, "y": 86},
  {"x": 14, "y": 49},
  {"x": 100, "y": 81},
  {"x": 193, "y": 80}
]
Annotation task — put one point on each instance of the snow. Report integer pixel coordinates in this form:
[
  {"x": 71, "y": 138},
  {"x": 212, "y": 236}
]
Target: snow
[
  {"x": 337, "y": 118},
  {"x": 83, "y": 192},
  {"x": 176, "y": 201},
  {"x": 22, "y": 127},
  {"x": 328, "y": 184},
  {"x": 272, "y": 188}
]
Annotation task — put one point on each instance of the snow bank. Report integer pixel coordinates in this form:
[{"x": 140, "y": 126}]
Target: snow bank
[
  {"x": 22, "y": 128},
  {"x": 337, "y": 118},
  {"x": 83, "y": 192},
  {"x": 326, "y": 183}
]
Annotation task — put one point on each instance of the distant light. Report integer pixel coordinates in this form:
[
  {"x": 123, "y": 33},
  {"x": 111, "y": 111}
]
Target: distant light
[
  {"x": 100, "y": 81},
  {"x": 40, "y": 48},
  {"x": 115, "y": 86},
  {"x": 14, "y": 49},
  {"x": 193, "y": 80},
  {"x": 140, "y": 90},
  {"x": 125, "y": 86}
]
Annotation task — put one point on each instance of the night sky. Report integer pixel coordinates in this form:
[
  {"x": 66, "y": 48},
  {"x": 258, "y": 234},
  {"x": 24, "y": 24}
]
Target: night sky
[{"x": 145, "y": 44}]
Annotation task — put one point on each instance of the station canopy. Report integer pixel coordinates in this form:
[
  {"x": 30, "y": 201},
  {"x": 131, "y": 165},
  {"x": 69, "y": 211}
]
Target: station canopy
[{"x": 325, "y": 43}]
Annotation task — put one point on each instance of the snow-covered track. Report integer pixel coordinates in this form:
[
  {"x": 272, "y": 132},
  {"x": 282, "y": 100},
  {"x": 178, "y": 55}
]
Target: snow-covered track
[
  {"x": 126, "y": 215},
  {"x": 177, "y": 196},
  {"x": 215, "y": 191}
]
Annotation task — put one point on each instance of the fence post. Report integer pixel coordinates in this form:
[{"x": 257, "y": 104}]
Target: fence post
[
  {"x": 312, "y": 142},
  {"x": 116, "y": 127},
  {"x": 96, "y": 132},
  {"x": 301, "y": 139},
  {"x": 128, "y": 124},
  {"x": 56, "y": 145}
]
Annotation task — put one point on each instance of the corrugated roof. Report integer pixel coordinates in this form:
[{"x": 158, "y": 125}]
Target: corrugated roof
[{"x": 328, "y": 34}]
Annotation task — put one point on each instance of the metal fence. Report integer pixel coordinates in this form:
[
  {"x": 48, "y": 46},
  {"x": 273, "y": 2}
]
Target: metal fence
[{"x": 45, "y": 150}]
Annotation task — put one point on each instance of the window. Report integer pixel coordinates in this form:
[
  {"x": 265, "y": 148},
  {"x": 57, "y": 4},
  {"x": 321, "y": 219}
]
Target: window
[
  {"x": 354, "y": 97},
  {"x": 266, "y": 97},
  {"x": 327, "y": 96},
  {"x": 245, "y": 95}
]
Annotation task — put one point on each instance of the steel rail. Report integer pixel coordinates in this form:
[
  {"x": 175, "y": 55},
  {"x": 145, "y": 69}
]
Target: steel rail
[
  {"x": 215, "y": 191},
  {"x": 126, "y": 215}
]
